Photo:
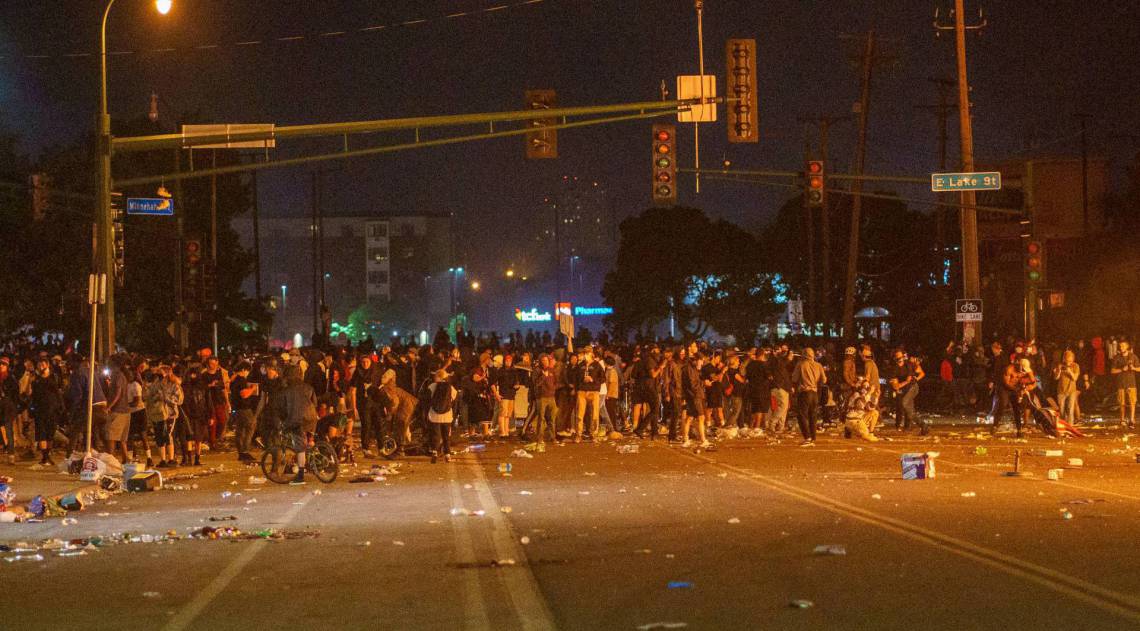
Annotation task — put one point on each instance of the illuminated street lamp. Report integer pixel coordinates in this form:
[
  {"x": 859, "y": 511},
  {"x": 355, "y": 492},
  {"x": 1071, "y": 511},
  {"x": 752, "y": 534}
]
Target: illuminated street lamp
[
  {"x": 104, "y": 243},
  {"x": 475, "y": 285},
  {"x": 510, "y": 273}
]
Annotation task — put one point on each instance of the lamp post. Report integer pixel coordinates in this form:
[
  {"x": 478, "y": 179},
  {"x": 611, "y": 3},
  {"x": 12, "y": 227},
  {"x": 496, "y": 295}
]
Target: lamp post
[{"x": 105, "y": 251}]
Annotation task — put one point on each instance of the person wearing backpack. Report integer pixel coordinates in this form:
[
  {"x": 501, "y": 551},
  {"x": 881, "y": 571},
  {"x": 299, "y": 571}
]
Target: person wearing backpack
[{"x": 440, "y": 415}]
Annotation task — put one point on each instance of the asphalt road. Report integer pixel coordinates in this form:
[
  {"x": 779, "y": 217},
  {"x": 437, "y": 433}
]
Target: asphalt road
[{"x": 585, "y": 537}]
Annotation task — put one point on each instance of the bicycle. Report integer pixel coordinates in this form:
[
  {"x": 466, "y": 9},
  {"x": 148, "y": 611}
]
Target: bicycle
[{"x": 279, "y": 460}]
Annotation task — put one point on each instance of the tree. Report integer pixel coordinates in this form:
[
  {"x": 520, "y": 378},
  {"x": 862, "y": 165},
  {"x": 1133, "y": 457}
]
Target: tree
[
  {"x": 676, "y": 262},
  {"x": 46, "y": 263}
]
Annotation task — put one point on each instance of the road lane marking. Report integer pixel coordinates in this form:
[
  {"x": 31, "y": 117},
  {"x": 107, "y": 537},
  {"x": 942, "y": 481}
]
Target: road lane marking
[
  {"x": 202, "y": 599},
  {"x": 1105, "y": 599},
  {"x": 474, "y": 612},
  {"x": 519, "y": 582}
]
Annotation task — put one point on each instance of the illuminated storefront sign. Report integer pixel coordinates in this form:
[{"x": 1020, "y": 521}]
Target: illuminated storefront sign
[
  {"x": 593, "y": 311},
  {"x": 533, "y": 315}
]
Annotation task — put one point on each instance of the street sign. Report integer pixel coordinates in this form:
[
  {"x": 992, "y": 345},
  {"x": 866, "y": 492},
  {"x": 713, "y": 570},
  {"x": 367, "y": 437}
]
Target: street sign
[
  {"x": 154, "y": 206},
  {"x": 954, "y": 182},
  {"x": 692, "y": 87},
  {"x": 969, "y": 310}
]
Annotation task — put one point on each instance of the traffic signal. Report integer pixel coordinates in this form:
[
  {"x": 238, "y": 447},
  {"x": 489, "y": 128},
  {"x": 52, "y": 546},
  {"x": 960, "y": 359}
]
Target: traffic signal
[
  {"x": 815, "y": 182},
  {"x": 543, "y": 141},
  {"x": 117, "y": 230},
  {"x": 192, "y": 274},
  {"x": 664, "y": 164},
  {"x": 1035, "y": 262},
  {"x": 743, "y": 115}
]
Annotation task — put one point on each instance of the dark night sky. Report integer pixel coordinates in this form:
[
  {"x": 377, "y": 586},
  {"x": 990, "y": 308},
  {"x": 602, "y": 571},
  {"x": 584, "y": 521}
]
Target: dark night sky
[{"x": 1032, "y": 69}]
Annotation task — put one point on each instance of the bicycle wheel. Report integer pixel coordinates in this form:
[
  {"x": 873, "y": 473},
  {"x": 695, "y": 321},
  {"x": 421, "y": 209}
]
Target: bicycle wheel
[
  {"x": 279, "y": 465},
  {"x": 322, "y": 462}
]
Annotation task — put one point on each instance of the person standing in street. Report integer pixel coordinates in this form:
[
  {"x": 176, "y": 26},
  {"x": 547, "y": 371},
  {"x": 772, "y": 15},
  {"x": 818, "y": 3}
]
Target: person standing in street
[
  {"x": 47, "y": 408},
  {"x": 905, "y": 375},
  {"x": 808, "y": 378},
  {"x": 759, "y": 390},
  {"x": 215, "y": 380},
  {"x": 1067, "y": 374},
  {"x": 544, "y": 386},
  {"x": 441, "y": 395},
  {"x": 693, "y": 389},
  {"x": 589, "y": 379},
  {"x": 1125, "y": 365},
  {"x": 780, "y": 379},
  {"x": 117, "y": 431},
  {"x": 244, "y": 394}
]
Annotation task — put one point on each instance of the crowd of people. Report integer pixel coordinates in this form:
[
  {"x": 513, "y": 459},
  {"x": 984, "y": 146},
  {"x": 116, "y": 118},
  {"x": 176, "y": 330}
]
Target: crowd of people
[{"x": 165, "y": 411}]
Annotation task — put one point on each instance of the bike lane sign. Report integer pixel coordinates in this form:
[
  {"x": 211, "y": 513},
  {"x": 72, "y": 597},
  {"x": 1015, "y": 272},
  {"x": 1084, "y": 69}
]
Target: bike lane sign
[{"x": 968, "y": 310}]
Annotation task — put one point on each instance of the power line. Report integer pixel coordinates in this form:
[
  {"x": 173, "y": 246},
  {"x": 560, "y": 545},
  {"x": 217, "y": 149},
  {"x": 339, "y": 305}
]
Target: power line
[{"x": 310, "y": 37}]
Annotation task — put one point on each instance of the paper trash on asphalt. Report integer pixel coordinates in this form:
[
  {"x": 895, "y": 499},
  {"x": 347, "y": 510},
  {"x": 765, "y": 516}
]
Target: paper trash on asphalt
[{"x": 831, "y": 549}]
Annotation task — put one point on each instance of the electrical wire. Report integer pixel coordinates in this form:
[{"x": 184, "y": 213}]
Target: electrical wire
[{"x": 325, "y": 36}]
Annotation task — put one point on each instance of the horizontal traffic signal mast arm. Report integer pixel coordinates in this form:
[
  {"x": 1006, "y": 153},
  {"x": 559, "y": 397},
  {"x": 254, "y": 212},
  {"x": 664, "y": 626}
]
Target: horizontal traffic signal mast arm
[
  {"x": 175, "y": 141},
  {"x": 372, "y": 151}
]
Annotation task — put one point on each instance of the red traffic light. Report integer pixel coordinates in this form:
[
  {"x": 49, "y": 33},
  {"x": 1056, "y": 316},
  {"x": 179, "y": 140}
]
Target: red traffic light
[
  {"x": 1033, "y": 247},
  {"x": 815, "y": 167},
  {"x": 663, "y": 135}
]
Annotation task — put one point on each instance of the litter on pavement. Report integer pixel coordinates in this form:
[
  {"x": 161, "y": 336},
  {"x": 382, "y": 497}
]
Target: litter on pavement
[{"x": 830, "y": 550}]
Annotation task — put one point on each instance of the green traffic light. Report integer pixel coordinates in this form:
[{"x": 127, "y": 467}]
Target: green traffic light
[{"x": 663, "y": 163}]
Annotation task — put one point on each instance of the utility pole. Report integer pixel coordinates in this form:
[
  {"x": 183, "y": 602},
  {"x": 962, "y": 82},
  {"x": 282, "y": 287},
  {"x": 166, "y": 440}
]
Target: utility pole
[
  {"x": 256, "y": 240},
  {"x": 313, "y": 229},
  {"x": 968, "y": 214},
  {"x": 180, "y": 307},
  {"x": 826, "y": 294},
  {"x": 809, "y": 228},
  {"x": 1084, "y": 173},
  {"x": 856, "y": 191},
  {"x": 214, "y": 246}
]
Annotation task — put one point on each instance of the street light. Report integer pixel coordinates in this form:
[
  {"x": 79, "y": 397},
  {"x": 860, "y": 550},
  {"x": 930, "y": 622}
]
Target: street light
[
  {"x": 475, "y": 285},
  {"x": 105, "y": 249},
  {"x": 510, "y": 273}
]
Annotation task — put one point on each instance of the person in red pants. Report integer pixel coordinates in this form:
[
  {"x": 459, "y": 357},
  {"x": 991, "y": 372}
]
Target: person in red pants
[{"x": 217, "y": 389}]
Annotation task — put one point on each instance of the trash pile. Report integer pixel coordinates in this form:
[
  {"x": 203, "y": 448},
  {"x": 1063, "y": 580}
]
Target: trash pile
[
  {"x": 40, "y": 507},
  {"x": 28, "y": 551}
]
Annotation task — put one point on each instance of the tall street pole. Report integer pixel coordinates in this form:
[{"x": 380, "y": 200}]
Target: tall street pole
[
  {"x": 214, "y": 246},
  {"x": 105, "y": 239},
  {"x": 972, "y": 331},
  {"x": 856, "y": 192}
]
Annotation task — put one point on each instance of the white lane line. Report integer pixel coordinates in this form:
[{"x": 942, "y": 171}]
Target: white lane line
[
  {"x": 980, "y": 467},
  {"x": 474, "y": 612},
  {"x": 192, "y": 609},
  {"x": 519, "y": 582}
]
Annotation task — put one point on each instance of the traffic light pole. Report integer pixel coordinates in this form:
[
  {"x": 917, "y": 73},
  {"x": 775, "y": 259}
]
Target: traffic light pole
[{"x": 104, "y": 244}]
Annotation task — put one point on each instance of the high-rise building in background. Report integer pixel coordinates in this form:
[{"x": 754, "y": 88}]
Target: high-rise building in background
[{"x": 384, "y": 275}]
